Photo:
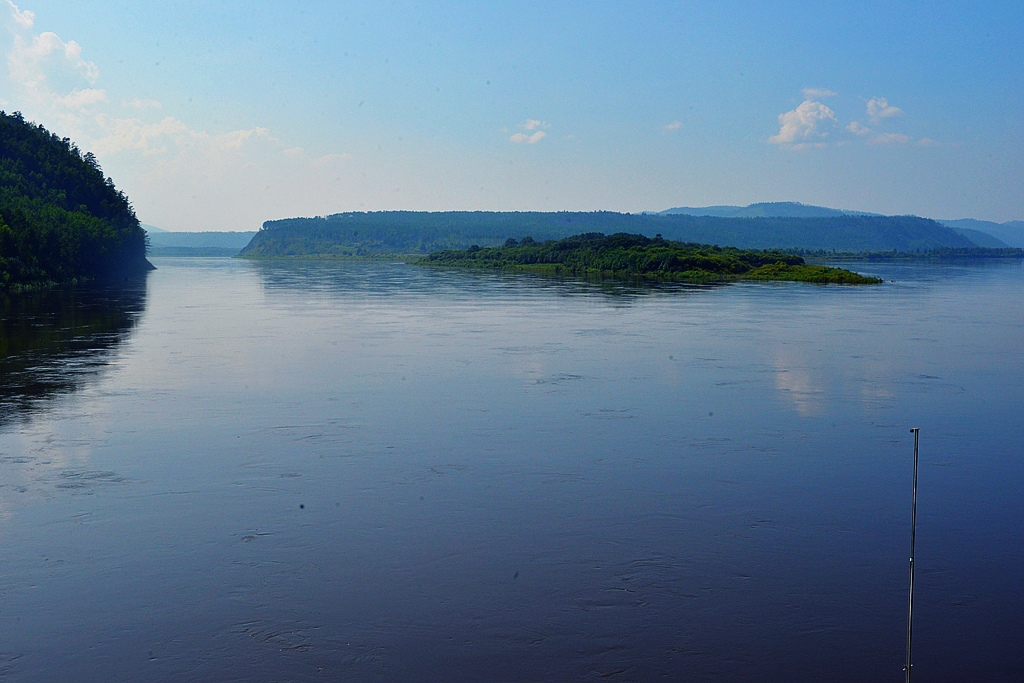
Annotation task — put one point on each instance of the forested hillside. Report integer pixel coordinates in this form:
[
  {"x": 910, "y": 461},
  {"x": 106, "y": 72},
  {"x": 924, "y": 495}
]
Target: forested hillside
[
  {"x": 60, "y": 218},
  {"x": 418, "y": 232}
]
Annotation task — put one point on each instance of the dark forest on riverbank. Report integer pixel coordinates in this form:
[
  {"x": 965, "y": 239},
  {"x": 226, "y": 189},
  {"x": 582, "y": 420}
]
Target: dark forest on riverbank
[{"x": 61, "y": 219}]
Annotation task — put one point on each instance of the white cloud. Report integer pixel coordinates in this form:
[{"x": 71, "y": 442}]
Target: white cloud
[
  {"x": 176, "y": 175},
  {"x": 818, "y": 93},
  {"x": 810, "y": 123},
  {"x": 857, "y": 129},
  {"x": 139, "y": 103},
  {"x": 32, "y": 61},
  {"x": 875, "y": 138},
  {"x": 171, "y": 137},
  {"x": 671, "y": 127},
  {"x": 532, "y": 139},
  {"x": 331, "y": 159},
  {"x": 111, "y": 135},
  {"x": 879, "y": 108},
  {"x": 80, "y": 99},
  {"x": 24, "y": 18},
  {"x": 889, "y": 139},
  {"x": 804, "y": 125},
  {"x": 236, "y": 139},
  {"x": 808, "y": 145}
]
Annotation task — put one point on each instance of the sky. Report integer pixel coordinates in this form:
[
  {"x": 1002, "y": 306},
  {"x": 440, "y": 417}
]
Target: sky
[{"x": 220, "y": 115}]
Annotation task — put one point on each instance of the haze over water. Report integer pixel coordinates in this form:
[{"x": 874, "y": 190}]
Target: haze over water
[{"x": 372, "y": 471}]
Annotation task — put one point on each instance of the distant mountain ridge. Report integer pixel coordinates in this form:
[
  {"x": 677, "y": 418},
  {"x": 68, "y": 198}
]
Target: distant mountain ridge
[
  {"x": 765, "y": 210},
  {"x": 420, "y": 232},
  {"x": 1010, "y": 232},
  {"x": 982, "y": 239},
  {"x": 164, "y": 243},
  {"x": 982, "y": 233}
]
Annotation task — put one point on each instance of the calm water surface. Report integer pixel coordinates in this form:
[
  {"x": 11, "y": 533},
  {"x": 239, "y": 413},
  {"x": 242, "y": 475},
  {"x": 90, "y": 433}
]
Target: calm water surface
[{"x": 374, "y": 472}]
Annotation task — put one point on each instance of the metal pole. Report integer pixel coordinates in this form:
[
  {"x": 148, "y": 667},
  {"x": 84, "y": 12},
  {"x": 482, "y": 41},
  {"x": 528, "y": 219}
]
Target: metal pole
[{"x": 913, "y": 534}]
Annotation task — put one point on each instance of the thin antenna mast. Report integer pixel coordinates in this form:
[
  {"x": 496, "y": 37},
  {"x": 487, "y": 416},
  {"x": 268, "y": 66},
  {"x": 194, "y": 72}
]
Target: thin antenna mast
[{"x": 913, "y": 535}]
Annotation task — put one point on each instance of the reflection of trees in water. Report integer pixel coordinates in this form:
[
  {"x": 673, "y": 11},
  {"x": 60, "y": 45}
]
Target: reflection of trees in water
[
  {"x": 54, "y": 341},
  {"x": 383, "y": 278}
]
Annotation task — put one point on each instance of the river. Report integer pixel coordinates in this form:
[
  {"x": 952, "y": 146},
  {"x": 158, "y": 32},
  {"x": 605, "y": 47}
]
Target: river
[{"x": 305, "y": 471}]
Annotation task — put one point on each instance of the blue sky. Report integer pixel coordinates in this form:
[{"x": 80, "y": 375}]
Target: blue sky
[{"x": 220, "y": 115}]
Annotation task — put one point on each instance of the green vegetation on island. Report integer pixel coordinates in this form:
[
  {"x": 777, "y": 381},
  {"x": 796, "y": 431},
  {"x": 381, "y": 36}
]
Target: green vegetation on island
[
  {"x": 634, "y": 256},
  {"x": 60, "y": 218}
]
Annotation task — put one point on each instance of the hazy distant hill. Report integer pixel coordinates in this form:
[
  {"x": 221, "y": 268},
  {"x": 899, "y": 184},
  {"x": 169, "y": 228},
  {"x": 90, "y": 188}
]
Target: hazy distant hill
[
  {"x": 1011, "y": 232},
  {"x": 197, "y": 243},
  {"x": 723, "y": 211},
  {"x": 982, "y": 239},
  {"x": 766, "y": 210},
  {"x": 981, "y": 233},
  {"x": 853, "y": 233},
  {"x": 411, "y": 232}
]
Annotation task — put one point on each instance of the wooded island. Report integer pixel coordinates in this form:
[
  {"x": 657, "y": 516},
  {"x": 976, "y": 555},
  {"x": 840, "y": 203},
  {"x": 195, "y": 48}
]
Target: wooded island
[{"x": 624, "y": 255}]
